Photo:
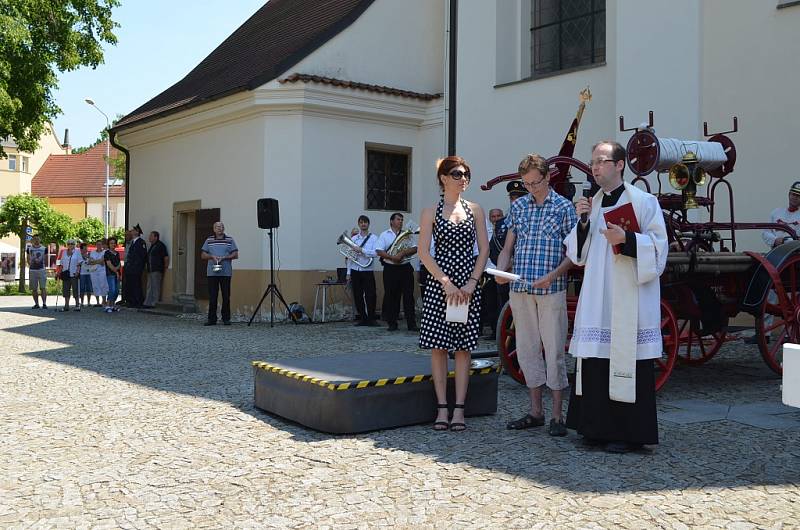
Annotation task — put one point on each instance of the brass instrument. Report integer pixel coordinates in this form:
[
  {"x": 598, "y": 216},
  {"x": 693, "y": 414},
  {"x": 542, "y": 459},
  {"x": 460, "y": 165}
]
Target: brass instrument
[
  {"x": 351, "y": 251},
  {"x": 402, "y": 242}
]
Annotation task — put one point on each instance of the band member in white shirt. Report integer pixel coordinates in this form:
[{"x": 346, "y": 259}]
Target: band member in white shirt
[
  {"x": 398, "y": 276},
  {"x": 362, "y": 279}
]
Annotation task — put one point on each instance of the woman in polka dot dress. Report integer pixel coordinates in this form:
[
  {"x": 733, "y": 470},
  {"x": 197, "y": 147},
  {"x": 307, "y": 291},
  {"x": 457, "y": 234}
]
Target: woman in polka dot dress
[{"x": 455, "y": 226}]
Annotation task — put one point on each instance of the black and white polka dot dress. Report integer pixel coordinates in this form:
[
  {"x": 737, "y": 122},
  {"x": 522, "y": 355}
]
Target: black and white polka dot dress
[{"x": 454, "y": 255}]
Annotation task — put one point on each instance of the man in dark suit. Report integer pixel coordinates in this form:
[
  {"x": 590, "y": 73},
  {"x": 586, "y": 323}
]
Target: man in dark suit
[{"x": 135, "y": 261}]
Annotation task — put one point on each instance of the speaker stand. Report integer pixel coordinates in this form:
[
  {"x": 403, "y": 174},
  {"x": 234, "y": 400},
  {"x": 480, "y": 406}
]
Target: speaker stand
[{"x": 273, "y": 291}]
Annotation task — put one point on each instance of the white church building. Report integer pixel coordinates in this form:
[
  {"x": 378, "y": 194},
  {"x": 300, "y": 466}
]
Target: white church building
[{"x": 341, "y": 108}]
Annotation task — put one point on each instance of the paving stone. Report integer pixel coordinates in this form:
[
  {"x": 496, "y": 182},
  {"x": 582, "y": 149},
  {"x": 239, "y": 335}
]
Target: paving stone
[{"x": 160, "y": 431}]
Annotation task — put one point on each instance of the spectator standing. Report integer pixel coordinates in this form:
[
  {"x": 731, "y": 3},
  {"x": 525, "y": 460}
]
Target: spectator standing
[
  {"x": 157, "y": 264},
  {"x": 135, "y": 261},
  {"x": 111, "y": 261},
  {"x": 37, "y": 273},
  {"x": 70, "y": 275},
  {"x": 219, "y": 250},
  {"x": 85, "y": 283}
]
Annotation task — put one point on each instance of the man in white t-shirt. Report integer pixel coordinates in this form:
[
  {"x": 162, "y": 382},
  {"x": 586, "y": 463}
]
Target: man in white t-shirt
[{"x": 37, "y": 272}]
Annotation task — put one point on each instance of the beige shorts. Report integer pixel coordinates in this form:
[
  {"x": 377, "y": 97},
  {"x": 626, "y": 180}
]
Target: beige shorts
[
  {"x": 38, "y": 280},
  {"x": 541, "y": 320}
]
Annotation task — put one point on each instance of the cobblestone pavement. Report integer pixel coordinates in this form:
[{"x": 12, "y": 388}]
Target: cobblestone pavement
[{"x": 134, "y": 420}]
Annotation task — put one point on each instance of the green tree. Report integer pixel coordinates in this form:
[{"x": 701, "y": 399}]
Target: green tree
[
  {"x": 56, "y": 227},
  {"x": 16, "y": 215},
  {"x": 38, "y": 39},
  {"x": 90, "y": 229}
]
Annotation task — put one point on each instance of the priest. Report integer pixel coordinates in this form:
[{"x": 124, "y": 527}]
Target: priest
[{"x": 617, "y": 332}]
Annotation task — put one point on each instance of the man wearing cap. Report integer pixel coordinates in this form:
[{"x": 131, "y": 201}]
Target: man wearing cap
[
  {"x": 789, "y": 215},
  {"x": 135, "y": 259},
  {"x": 538, "y": 223}
]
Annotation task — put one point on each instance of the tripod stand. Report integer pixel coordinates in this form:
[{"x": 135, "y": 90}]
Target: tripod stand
[{"x": 273, "y": 291}]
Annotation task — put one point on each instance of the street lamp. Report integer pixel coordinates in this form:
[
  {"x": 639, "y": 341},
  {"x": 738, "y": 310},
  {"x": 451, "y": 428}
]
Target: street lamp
[{"x": 108, "y": 154}]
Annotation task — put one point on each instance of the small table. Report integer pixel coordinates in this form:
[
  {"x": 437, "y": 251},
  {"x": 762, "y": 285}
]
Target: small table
[{"x": 324, "y": 286}]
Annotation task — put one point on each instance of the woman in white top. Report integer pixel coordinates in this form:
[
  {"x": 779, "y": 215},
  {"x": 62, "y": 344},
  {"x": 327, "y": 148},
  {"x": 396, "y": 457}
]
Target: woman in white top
[{"x": 97, "y": 270}]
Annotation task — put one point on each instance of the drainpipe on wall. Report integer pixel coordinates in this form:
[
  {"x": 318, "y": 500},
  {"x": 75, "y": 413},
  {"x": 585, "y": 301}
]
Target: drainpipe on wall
[
  {"x": 452, "y": 55},
  {"x": 113, "y": 139}
]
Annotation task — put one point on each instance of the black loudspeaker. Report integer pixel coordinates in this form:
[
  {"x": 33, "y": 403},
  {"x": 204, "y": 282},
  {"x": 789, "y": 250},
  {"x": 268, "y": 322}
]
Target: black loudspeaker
[{"x": 268, "y": 216}]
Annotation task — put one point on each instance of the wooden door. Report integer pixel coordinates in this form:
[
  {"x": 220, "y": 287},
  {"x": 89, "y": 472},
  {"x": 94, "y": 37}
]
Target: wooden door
[{"x": 203, "y": 227}]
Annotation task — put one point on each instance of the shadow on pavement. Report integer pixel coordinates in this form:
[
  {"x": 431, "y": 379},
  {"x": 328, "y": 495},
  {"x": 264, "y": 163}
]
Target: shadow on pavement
[{"x": 180, "y": 356}]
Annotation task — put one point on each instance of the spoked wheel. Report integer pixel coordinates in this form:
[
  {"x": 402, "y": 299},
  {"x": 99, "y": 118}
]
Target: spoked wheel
[
  {"x": 694, "y": 349},
  {"x": 671, "y": 341},
  {"x": 507, "y": 344},
  {"x": 778, "y": 320}
]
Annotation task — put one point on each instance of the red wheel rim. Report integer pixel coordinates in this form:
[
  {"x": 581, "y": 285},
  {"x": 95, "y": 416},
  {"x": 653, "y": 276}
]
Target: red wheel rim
[
  {"x": 785, "y": 325},
  {"x": 671, "y": 342},
  {"x": 694, "y": 349},
  {"x": 507, "y": 344}
]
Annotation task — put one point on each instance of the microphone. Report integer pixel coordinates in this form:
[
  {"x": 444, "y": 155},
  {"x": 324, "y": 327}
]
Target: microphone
[{"x": 587, "y": 193}]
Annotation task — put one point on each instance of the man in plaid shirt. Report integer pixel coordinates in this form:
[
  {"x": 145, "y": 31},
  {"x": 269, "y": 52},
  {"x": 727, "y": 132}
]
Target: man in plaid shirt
[{"x": 538, "y": 224}]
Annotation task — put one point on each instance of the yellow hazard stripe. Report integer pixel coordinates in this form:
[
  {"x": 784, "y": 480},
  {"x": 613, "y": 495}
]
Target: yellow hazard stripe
[{"x": 350, "y": 385}]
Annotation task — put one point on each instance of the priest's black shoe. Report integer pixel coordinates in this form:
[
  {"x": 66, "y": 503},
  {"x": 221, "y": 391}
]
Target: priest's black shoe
[{"x": 622, "y": 447}]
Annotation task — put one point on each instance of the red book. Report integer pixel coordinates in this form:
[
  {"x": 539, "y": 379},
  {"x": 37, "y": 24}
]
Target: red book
[{"x": 624, "y": 217}]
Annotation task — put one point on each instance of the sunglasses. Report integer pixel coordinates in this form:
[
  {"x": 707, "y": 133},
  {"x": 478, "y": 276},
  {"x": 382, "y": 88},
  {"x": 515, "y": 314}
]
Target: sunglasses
[{"x": 457, "y": 174}]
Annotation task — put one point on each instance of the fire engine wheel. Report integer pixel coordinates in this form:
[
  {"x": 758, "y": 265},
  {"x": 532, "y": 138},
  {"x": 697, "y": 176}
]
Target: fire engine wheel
[
  {"x": 695, "y": 350},
  {"x": 670, "y": 343},
  {"x": 507, "y": 344},
  {"x": 776, "y": 324}
]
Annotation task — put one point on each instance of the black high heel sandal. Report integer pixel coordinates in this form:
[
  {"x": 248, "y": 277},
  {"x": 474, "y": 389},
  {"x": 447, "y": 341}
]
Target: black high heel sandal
[
  {"x": 441, "y": 425},
  {"x": 458, "y": 426}
]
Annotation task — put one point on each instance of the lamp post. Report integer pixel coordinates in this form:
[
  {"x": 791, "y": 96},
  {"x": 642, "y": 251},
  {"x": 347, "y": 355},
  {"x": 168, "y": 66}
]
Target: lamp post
[{"x": 108, "y": 154}]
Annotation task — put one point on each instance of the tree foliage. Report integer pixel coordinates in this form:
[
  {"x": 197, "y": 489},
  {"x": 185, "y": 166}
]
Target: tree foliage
[
  {"x": 39, "y": 38},
  {"x": 90, "y": 229}
]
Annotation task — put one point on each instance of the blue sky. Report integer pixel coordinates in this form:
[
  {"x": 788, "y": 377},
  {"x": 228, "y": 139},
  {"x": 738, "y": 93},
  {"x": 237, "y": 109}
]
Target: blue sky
[{"x": 158, "y": 43}]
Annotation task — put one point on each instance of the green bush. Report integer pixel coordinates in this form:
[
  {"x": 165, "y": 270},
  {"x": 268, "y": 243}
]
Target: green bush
[{"x": 12, "y": 289}]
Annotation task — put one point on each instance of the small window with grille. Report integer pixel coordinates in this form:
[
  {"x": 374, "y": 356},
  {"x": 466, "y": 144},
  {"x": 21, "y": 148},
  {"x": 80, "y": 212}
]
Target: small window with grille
[
  {"x": 387, "y": 179},
  {"x": 567, "y": 34}
]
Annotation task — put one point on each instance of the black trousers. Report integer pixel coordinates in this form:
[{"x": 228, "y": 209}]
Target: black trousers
[
  {"x": 398, "y": 281},
  {"x": 489, "y": 308},
  {"x": 363, "y": 283},
  {"x": 422, "y": 278},
  {"x": 596, "y": 416},
  {"x": 216, "y": 284},
  {"x": 132, "y": 289}
]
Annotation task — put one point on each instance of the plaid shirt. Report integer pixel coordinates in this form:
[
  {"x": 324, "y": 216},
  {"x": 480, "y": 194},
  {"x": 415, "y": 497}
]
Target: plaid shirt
[{"x": 540, "y": 230}]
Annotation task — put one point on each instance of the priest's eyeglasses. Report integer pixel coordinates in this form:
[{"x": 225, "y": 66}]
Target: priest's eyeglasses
[
  {"x": 599, "y": 161},
  {"x": 457, "y": 174}
]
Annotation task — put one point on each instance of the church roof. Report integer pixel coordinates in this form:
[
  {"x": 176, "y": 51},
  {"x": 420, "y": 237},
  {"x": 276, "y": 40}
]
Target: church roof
[
  {"x": 80, "y": 175},
  {"x": 275, "y": 38},
  {"x": 308, "y": 78}
]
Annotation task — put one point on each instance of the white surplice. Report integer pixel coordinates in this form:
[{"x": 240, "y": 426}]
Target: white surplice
[{"x": 632, "y": 282}]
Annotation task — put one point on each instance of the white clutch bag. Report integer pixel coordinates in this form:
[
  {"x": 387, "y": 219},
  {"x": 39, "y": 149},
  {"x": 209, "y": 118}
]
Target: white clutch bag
[{"x": 457, "y": 313}]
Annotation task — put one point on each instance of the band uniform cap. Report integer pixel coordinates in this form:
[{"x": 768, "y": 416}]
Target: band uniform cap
[
  {"x": 515, "y": 187},
  {"x": 795, "y": 188}
]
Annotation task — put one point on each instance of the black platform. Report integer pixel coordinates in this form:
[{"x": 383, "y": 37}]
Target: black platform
[{"x": 359, "y": 392}]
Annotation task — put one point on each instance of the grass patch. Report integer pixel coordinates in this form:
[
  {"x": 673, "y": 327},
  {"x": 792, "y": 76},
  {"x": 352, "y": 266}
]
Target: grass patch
[{"x": 12, "y": 289}]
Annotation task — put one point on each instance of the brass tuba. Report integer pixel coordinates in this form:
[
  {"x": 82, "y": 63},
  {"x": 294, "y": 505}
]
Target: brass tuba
[
  {"x": 402, "y": 242},
  {"x": 351, "y": 251}
]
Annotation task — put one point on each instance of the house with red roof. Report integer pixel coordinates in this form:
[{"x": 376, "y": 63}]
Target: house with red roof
[{"x": 75, "y": 184}]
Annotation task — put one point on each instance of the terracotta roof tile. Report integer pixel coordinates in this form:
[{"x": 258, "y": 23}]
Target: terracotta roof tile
[
  {"x": 75, "y": 175},
  {"x": 275, "y": 38},
  {"x": 307, "y": 78}
]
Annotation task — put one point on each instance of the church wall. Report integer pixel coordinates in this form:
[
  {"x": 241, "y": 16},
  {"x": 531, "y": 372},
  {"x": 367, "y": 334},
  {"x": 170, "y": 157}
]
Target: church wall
[{"x": 397, "y": 44}]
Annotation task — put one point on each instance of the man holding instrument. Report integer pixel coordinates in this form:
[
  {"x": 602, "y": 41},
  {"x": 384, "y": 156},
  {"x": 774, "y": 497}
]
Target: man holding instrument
[
  {"x": 538, "y": 224},
  {"x": 617, "y": 331}
]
